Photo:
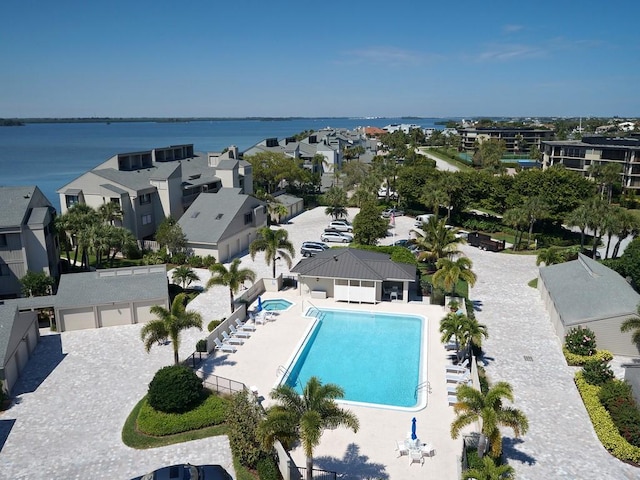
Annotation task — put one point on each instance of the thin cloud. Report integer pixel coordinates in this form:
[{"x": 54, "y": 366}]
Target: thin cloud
[
  {"x": 510, "y": 51},
  {"x": 387, "y": 56},
  {"x": 512, "y": 28}
]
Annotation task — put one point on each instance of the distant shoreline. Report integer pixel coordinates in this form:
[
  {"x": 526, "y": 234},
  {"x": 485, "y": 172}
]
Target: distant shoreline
[{"x": 24, "y": 121}]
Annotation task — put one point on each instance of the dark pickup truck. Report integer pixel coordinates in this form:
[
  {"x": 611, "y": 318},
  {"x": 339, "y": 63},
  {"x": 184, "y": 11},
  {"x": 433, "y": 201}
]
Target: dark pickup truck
[{"x": 484, "y": 242}]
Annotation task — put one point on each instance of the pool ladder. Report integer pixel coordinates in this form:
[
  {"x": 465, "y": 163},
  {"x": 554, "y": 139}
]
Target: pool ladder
[
  {"x": 422, "y": 386},
  {"x": 282, "y": 371}
]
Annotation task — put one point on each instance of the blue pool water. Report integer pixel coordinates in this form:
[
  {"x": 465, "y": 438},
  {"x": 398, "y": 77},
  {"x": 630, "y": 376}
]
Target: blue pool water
[
  {"x": 375, "y": 358},
  {"x": 276, "y": 304}
]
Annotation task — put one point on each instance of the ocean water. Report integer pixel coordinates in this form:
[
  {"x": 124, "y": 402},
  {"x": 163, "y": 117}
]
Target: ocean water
[{"x": 50, "y": 155}]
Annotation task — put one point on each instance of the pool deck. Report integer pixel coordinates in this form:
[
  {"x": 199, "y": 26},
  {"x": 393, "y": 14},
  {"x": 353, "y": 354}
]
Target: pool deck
[{"x": 370, "y": 453}]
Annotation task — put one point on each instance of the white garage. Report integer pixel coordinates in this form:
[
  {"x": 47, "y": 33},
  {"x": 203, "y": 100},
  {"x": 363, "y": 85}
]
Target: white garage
[{"x": 107, "y": 298}]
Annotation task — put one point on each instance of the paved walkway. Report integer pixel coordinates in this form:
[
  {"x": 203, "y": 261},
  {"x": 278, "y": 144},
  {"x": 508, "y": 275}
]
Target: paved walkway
[{"x": 561, "y": 443}]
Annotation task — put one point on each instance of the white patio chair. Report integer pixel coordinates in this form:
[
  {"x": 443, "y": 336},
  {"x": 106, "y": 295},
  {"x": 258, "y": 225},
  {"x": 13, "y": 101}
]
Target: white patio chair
[
  {"x": 250, "y": 327},
  {"x": 231, "y": 340},
  {"x": 416, "y": 457},
  {"x": 239, "y": 333},
  {"x": 427, "y": 450},
  {"x": 225, "y": 347},
  {"x": 401, "y": 448}
]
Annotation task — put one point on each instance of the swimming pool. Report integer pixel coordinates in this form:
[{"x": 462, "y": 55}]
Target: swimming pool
[
  {"x": 276, "y": 304},
  {"x": 375, "y": 357}
]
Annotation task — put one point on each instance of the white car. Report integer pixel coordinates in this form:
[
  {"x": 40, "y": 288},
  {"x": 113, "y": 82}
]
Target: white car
[
  {"x": 335, "y": 236},
  {"x": 341, "y": 225}
]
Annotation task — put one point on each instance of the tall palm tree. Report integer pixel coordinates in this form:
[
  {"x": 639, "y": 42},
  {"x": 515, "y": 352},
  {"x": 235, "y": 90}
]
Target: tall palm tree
[
  {"x": 597, "y": 212},
  {"x": 276, "y": 211},
  {"x": 489, "y": 471},
  {"x": 109, "y": 212},
  {"x": 184, "y": 275},
  {"x": 632, "y": 324},
  {"x": 516, "y": 218},
  {"x": 336, "y": 200},
  {"x": 275, "y": 244},
  {"x": 536, "y": 208},
  {"x": 437, "y": 241},
  {"x": 628, "y": 225},
  {"x": 304, "y": 417},
  {"x": 473, "y": 332},
  {"x": 233, "y": 278},
  {"x": 434, "y": 197},
  {"x": 579, "y": 218},
  {"x": 473, "y": 405},
  {"x": 169, "y": 324},
  {"x": 451, "y": 271},
  {"x": 452, "y": 325}
]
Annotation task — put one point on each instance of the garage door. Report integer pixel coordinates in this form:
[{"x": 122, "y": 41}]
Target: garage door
[
  {"x": 115, "y": 315},
  {"x": 76, "y": 319},
  {"x": 143, "y": 314}
]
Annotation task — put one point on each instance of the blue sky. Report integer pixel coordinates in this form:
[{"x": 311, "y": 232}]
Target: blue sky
[{"x": 72, "y": 58}]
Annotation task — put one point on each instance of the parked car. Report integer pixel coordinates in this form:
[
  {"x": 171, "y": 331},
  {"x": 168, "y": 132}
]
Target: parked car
[
  {"x": 341, "y": 225},
  {"x": 403, "y": 242},
  {"x": 187, "y": 472},
  {"x": 462, "y": 234},
  {"x": 309, "y": 249},
  {"x": 392, "y": 211},
  {"x": 420, "y": 219},
  {"x": 335, "y": 236}
]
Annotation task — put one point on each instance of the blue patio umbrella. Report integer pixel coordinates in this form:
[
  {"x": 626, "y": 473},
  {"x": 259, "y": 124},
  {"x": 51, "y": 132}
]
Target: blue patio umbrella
[
  {"x": 413, "y": 429},
  {"x": 259, "y": 303}
]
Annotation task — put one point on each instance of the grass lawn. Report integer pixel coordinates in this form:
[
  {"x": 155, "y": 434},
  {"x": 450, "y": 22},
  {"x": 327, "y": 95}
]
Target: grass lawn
[
  {"x": 456, "y": 163},
  {"x": 533, "y": 283}
]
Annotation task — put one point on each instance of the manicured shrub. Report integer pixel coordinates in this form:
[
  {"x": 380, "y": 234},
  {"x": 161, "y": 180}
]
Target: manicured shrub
[
  {"x": 596, "y": 372},
  {"x": 267, "y": 469},
  {"x": 579, "y": 360},
  {"x": 613, "y": 390},
  {"x": 194, "y": 261},
  {"x": 179, "y": 258},
  {"x": 213, "y": 324},
  {"x": 174, "y": 389},
  {"x": 201, "y": 345},
  {"x": 212, "y": 411},
  {"x": 626, "y": 417},
  {"x": 581, "y": 341},
  {"x": 243, "y": 418},
  {"x": 208, "y": 261}
]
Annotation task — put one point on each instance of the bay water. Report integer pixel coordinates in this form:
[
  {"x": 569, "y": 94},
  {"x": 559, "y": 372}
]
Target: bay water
[{"x": 50, "y": 155}]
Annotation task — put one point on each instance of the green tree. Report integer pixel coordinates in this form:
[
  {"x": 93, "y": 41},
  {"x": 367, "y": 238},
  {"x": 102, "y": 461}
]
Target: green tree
[
  {"x": 434, "y": 197},
  {"x": 536, "y": 208},
  {"x": 354, "y": 173},
  {"x": 169, "y": 235},
  {"x": 276, "y": 211},
  {"x": 233, "y": 277},
  {"x": 336, "y": 200},
  {"x": 368, "y": 226},
  {"x": 170, "y": 324},
  {"x": 36, "y": 284},
  {"x": 517, "y": 219},
  {"x": 551, "y": 256},
  {"x": 449, "y": 272},
  {"x": 437, "y": 241},
  {"x": 627, "y": 225},
  {"x": 80, "y": 219},
  {"x": 305, "y": 417},
  {"x": 243, "y": 418},
  {"x": 632, "y": 324},
  {"x": 272, "y": 169},
  {"x": 110, "y": 212},
  {"x": 488, "y": 154},
  {"x": 473, "y": 405},
  {"x": 452, "y": 326},
  {"x": 275, "y": 244},
  {"x": 489, "y": 470},
  {"x": 579, "y": 217},
  {"x": 597, "y": 212},
  {"x": 184, "y": 275}
]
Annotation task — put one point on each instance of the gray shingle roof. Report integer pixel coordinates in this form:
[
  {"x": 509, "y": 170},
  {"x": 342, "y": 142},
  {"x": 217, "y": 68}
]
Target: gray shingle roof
[
  {"x": 15, "y": 203},
  {"x": 116, "y": 285},
  {"x": 8, "y": 312},
  {"x": 584, "y": 290},
  {"x": 353, "y": 263},
  {"x": 209, "y": 218},
  {"x": 287, "y": 200}
]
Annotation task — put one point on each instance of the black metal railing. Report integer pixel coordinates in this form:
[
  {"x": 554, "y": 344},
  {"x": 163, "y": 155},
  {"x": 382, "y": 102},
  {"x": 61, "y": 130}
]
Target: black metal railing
[
  {"x": 223, "y": 385},
  {"x": 318, "y": 474}
]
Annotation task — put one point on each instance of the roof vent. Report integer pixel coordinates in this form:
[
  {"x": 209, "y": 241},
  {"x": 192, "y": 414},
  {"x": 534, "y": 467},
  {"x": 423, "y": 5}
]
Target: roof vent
[
  {"x": 219, "y": 216},
  {"x": 26, "y": 195},
  {"x": 195, "y": 214}
]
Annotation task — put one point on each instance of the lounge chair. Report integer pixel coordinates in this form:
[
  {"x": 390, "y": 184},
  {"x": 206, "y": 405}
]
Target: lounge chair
[
  {"x": 427, "y": 450},
  {"x": 458, "y": 378},
  {"x": 451, "y": 345},
  {"x": 261, "y": 318},
  {"x": 459, "y": 368},
  {"x": 239, "y": 333},
  {"x": 452, "y": 399},
  {"x": 225, "y": 347},
  {"x": 416, "y": 457},
  {"x": 232, "y": 340},
  {"x": 401, "y": 448},
  {"x": 246, "y": 326}
]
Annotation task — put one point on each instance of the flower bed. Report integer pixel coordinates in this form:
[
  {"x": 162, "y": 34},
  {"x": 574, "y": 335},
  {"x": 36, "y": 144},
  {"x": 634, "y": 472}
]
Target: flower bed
[{"x": 575, "y": 360}]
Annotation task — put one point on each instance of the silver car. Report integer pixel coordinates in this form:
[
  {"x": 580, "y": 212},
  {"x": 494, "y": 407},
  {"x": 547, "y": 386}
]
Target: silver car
[{"x": 339, "y": 237}]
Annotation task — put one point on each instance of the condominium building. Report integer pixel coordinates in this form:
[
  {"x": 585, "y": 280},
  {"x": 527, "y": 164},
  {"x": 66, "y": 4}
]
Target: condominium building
[
  {"x": 154, "y": 184},
  {"x": 579, "y": 155},
  {"x": 27, "y": 237},
  {"x": 517, "y": 140}
]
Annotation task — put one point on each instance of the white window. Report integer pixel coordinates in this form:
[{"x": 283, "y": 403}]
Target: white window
[{"x": 146, "y": 219}]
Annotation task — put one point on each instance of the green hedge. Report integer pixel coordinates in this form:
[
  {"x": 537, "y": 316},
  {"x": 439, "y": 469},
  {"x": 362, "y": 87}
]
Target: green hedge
[
  {"x": 605, "y": 429},
  {"x": 212, "y": 411},
  {"x": 574, "y": 360}
]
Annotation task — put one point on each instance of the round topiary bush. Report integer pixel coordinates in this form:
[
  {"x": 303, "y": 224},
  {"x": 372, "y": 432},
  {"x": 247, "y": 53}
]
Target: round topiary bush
[
  {"x": 201, "y": 345},
  {"x": 174, "y": 389},
  {"x": 213, "y": 324},
  {"x": 581, "y": 341}
]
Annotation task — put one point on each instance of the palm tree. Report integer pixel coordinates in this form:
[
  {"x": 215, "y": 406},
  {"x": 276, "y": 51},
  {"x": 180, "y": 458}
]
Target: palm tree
[
  {"x": 277, "y": 210},
  {"x": 434, "y": 197},
  {"x": 437, "y": 241},
  {"x": 233, "y": 278},
  {"x": 304, "y": 417},
  {"x": 184, "y": 275},
  {"x": 628, "y": 225},
  {"x": 516, "y": 218},
  {"x": 473, "y": 332},
  {"x": 109, "y": 212},
  {"x": 451, "y": 271},
  {"x": 632, "y": 324},
  {"x": 169, "y": 324},
  {"x": 489, "y": 471},
  {"x": 452, "y": 325},
  {"x": 579, "y": 218},
  {"x": 336, "y": 199},
  {"x": 473, "y": 405},
  {"x": 551, "y": 256},
  {"x": 536, "y": 208},
  {"x": 597, "y": 212},
  {"x": 275, "y": 244}
]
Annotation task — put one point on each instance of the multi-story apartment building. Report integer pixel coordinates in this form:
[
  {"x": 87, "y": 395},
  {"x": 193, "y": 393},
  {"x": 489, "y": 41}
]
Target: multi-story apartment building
[
  {"x": 517, "y": 140},
  {"x": 579, "y": 155},
  {"x": 154, "y": 184},
  {"x": 27, "y": 237}
]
